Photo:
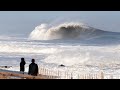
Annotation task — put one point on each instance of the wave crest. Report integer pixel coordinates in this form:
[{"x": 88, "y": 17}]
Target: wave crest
[{"x": 68, "y": 30}]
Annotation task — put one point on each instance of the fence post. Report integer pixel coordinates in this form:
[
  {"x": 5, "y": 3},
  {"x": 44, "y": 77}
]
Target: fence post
[
  {"x": 101, "y": 75},
  {"x": 111, "y": 77},
  {"x": 71, "y": 76},
  {"x": 59, "y": 74},
  {"x": 78, "y": 76}
]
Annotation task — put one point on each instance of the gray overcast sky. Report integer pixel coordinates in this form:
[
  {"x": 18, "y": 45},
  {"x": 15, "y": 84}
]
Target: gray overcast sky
[{"x": 26, "y": 21}]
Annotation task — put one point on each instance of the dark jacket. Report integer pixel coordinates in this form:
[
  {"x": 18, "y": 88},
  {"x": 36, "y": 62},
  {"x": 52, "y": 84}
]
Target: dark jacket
[
  {"x": 22, "y": 64},
  {"x": 33, "y": 69}
]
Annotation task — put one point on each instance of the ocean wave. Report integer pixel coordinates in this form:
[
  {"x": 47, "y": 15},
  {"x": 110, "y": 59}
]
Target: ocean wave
[{"x": 67, "y": 30}]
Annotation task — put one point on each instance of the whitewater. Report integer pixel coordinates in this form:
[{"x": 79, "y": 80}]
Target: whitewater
[{"x": 81, "y": 48}]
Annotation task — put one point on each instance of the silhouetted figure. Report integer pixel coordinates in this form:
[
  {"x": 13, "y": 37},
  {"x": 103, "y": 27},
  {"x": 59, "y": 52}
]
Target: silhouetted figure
[
  {"x": 33, "y": 68},
  {"x": 22, "y": 65}
]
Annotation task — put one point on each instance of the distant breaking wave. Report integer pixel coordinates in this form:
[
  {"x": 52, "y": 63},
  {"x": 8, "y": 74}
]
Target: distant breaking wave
[{"x": 68, "y": 30}]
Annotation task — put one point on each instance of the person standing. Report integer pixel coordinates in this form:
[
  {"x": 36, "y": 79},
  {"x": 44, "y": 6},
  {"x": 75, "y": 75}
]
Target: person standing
[
  {"x": 33, "y": 68},
  {"x": 22, "y": 65}
]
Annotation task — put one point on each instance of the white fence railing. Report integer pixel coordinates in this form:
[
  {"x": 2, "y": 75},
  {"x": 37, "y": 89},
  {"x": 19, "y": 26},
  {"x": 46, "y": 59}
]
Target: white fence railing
[{"x": 57, "y": 74}]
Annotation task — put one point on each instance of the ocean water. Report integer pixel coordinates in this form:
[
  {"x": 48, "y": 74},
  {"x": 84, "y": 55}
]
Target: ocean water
[{"x": 79, "y": 47}]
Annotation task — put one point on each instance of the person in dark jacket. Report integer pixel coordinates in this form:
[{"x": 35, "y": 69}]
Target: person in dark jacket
[
  {"x": 33, "y": 68},
  {"x": 22, "y": 65}
]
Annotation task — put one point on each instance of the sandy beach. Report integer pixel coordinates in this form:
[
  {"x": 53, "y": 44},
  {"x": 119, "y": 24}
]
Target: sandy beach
[{"x": 7, "y": 74}]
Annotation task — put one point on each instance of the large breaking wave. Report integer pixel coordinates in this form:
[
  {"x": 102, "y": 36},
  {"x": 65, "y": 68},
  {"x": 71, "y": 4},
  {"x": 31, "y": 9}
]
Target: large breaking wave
[{"x": 68, "y": 30}]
